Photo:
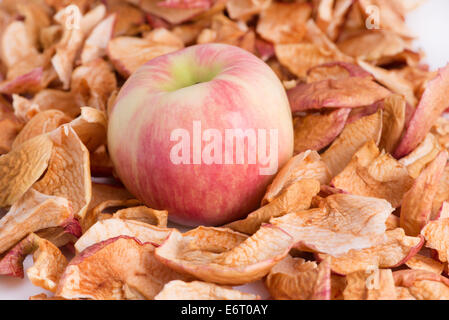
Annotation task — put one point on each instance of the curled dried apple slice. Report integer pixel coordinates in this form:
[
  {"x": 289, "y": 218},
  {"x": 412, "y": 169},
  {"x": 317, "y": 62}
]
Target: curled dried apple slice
[
  {"x": 353, "y": 137},
  {"x": 111, "y": 228},
  {"x": 105, "y": 209},
  {"x": 296, "y": 197},
  {"x": 393, "y": 123},
  {"x": 343, "y": 223},
  {"x": 16, "y": 43},
  {"x": 363, "y": 285},
  {"x": 172, "y": 15},
  {"x": 49, "y": 262},
  {"x": 197, "y": 290},
  {"x": 436, "y": 233},
  {"x": 124, "y": 268},
  {"x": 144, "y": 214},
  {"x": 91, "y": 127},
  {"x": 218, "y": 262},
  {"x": 306, "y": 165},
  {"x": 393, "y": 251},
  {"x": 67, "y": 102},
  {"x": 417, "y": 202},
  {"x": 32, "y": 212},
  {"x": 97, "y": 42},
  {"x": 127, "y": 54},
  {"x": 422, "y": 285},
  {"x": 186, "y": 4},
  {"x": 29, "y": 82},
  {"x": 336, "y": 70},
  {"x": 283, "y": 22},
  {"x": 419, "y": 158},
  {"x": 297, "y": 279},
  {"x": 433, "y": 103},
  {"x": 441, "y": 196},
  {"x": 317, "y": 131},
  {"x": 41, "y": 123},
  {"x": 129, "y": 18},
  {"x": 374, "y": 174},
  {"x": 10, "y": 127},
  {"x": 349, "y": 92},
  {"x": 22, "y": 167},
  {"x": 68, "y": 173},
  {"x": 420, "y": 262}
]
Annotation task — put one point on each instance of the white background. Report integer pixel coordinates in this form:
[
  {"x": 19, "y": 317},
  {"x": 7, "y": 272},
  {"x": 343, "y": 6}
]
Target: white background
[{"x": 430, "y": 23}]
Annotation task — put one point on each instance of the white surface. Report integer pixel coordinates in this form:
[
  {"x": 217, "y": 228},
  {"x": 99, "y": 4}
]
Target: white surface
[{"x": 431, "y": 26}]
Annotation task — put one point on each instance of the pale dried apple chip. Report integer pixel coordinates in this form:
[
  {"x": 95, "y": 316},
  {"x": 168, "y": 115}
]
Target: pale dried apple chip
[
  {"x": 51, "y": 99},
  {"x": 127, "y": 54},
  {"x": 296, "y": 197},
  {"x": 32, "y": 212},
  {"x": 22, "y": 167},
  {"x": 197, "y": 290},
  {"x": 441, "y": 196},
  {"x": 394, "y": 250},
  {"x": 172, "y": 15},
  {"x": 67, "y": 48},
  {"x": 363, "y": 285},
  {"x": 129, "y": 18},
  {"x": 144, "y": 214},
  {"x": 349, "y": 92},
  {"x": 297, "y": 279},
  {"x": 440, "y": 130},
  {"x": 424, "y": 153},
  {"x": 49, "y": 262},
  {"x": 372, "y": 173},
  {"x": 417, "y": 202},
  {"x": 343, "y": 223},
  {"x": 97, "y": 42},
  {"x": 394, "y": 108},
  {"x": 317, "y": 131},
  {"x": 247, "y": 261},
  {"x": 244, "y": 9},
  {"x": 91, "y": 128},
  {"x": 420, "y": 262},
  {"x": 352, "y": 138},
  {"x": 433, "y": 102},
  {"x": 125, "y": 268},
  {"x": 41, "y": 123},
  {"x": 10, "y": 127},
  {"x": 16, "y": 44},
  {"x": 436, "y": 233},
  {"x": 283, "y": 22},
  {"x": 306, "y": 165},
  {"x": 111, "y": 228},
  {"x": 68, "y": 173},
  {"x": 422, "y": 285}
]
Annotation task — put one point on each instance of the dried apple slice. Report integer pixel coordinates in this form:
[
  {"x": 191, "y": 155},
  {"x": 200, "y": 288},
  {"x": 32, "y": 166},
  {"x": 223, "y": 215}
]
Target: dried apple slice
[
  {"x": 246, "y": 261},
  {"x": 393, "y": 122},
  {"x": 27, "y": 83},
  {"x": 144, "y": 214},
  {"x": 441, "y": 196},
  {"x": 10, "y": 127},
  {"x": 96, "y": 44},
  {"x": 297, "y": 279},
  {"x": 49, "y": 262},
  {"x": 32, "y": 212},
  {"x": 129, "y": 18},
  {"x": 392, "y": 81},
  {"x": 374, "y": 174},
  {"x": 67, "y": 102},
  {"x": 172, "y": 15},
  {"x": 197, "y": 290},
  {"x": 433, "y": 102},
  {"x": 363, "y": 285},
  {"x": 353, "y": 137},
  {"x": 441, "y": 130},
  {"x": 41, "y": 123},
  {"x": 283, "y": 22},
  {"x": 111, "y": 228},
  {"x": 91, "y": 128},
  {"x": 420, "y": 262},
  {"x": 422, "y": 285},
  {"x": 336, "y": 70},
  {"x": 296, "y": 197},
  {"x": 22, "y": 167},
  {"x": 419, "y": 158},
  {"x": 68, "y": 173},
  {"x": 349, "y": 92},
  {"x": 436, "y": 233},
  {"x": 306, "y": 165},
  {"x": 317, "y": 131},
  {"x": 127, "y": 54},
  {"x": 115, "y": 269},
  {"x": 343, "y": 223},
  {"x": 417, "y": 202},
  {"x": 16, "y": 43},
  {"x": 245, "y": 9},
  {"x": 393, "y": 251}
]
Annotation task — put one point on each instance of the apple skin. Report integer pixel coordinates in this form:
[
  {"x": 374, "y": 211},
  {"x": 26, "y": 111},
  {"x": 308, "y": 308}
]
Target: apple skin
[{"x": 221, "y": 86}]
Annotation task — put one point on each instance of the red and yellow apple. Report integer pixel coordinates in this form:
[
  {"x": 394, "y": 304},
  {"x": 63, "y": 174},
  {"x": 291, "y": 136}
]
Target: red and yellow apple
[{"x": 201, "y": 132}]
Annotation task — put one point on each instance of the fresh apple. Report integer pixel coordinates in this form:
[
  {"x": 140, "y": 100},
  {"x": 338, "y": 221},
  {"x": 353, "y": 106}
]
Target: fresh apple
[{"x": 201, "y": 132}]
